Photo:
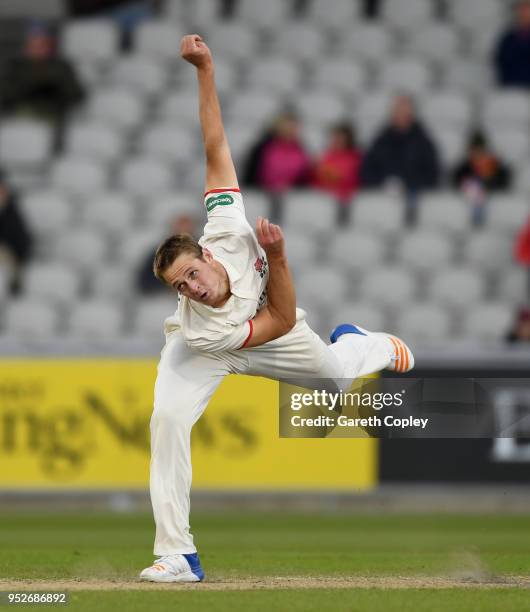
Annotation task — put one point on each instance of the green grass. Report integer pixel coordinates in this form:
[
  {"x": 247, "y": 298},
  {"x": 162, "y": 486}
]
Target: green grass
[
  {"x": 231, "y": 545},
  {"x": 410, "y": 600}
]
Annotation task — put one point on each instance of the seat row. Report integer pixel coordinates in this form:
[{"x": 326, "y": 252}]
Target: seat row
[
  {"x": 318, "y": 283},
  {"x": 344, "y": 73},
  {"x": 313, "y": 212},
  {"x": 99, "y": 39},
  {"x": 103, "y": 320}
]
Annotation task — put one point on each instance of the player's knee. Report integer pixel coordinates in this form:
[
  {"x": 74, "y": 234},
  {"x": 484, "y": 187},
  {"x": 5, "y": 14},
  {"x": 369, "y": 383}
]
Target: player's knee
[{"x": 169, "y": 412}]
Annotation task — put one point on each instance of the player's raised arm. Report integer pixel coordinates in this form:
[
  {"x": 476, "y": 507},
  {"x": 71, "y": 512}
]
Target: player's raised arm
[
  {"x": 279, "y": 316},
  {"x": 220, "y": 171}
]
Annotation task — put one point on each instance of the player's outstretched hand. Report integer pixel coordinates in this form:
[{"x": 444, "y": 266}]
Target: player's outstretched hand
[
  {"x": 270, "y": 237},
  {"x": 195, "y": 51}
]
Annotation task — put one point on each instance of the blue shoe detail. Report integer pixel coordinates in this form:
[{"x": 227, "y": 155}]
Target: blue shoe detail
[
  {"x": 345, "y": 328},
  {"x": 195, "y": 564}
]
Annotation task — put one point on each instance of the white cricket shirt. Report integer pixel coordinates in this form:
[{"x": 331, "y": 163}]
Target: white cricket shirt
[{"x": 232, "y": 242}]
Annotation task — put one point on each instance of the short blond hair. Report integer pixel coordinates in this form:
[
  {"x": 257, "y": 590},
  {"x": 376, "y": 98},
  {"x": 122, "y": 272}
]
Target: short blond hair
[{"x": 170, "y": 249}]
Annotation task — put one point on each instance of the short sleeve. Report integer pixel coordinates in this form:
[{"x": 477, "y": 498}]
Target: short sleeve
[{"x": 227, "y": 203}]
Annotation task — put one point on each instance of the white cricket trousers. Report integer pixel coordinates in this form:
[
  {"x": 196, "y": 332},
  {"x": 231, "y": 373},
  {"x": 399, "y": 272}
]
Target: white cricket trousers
[{"x": 186, "y": 381}]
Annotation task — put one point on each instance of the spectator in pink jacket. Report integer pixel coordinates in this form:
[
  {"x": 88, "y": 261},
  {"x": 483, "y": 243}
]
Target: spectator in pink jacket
[
  {"x": 337, "y": 170},
  {"x": 282, "y": 163}
]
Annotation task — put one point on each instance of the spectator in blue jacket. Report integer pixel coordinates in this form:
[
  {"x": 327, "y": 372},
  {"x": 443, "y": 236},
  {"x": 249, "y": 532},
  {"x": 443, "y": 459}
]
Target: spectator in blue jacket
[{"x": 512, "y": 56}]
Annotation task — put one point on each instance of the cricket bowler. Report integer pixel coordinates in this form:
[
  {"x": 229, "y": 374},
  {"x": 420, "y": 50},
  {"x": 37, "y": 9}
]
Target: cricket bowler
[{"x": 236, "y": 314}]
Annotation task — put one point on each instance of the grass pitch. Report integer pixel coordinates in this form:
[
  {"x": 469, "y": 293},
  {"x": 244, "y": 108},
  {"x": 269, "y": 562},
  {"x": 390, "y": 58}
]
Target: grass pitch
[{"x": 278, "y": 562}]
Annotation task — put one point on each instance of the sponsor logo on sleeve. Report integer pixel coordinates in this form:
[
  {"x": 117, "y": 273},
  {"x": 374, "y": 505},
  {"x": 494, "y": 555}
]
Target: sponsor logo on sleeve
[{"x": 222, "y": 199}]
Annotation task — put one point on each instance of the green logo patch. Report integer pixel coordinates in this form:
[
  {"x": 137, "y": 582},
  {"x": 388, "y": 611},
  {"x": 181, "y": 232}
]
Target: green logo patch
[{"x": 223, "y": 199}]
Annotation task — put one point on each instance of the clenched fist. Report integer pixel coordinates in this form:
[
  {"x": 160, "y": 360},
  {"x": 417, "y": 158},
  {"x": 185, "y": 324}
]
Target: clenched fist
[
  {"x": 195, "y": 51},
  {"x": 270, "y": 238}
]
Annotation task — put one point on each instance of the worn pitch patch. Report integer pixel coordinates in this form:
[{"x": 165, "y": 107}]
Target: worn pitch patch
[{"x": 219, "y": 583}]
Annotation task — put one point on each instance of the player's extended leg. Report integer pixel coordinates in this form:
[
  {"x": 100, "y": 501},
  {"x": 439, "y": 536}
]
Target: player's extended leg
[
  {"x": 363, "y": 352},
  {"x": 352, "y": 354},
  {"x": 185, "y": 383}
]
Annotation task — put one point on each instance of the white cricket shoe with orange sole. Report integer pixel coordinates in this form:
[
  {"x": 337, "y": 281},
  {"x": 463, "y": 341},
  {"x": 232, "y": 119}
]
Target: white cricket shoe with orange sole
[
  {"x": 174, "y": 568},
  {"x": 402, "y": 359}
]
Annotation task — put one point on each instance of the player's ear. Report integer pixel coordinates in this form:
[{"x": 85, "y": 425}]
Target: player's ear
[{"x": 207, "y": 255}]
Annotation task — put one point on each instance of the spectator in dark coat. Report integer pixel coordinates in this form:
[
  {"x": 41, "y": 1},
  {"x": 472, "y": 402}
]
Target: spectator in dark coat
[
  {"x": 39, "y": 83},
  {"x": 403, "y": 153},
  {"x": 512, "y": 55},
  {"x": 480, "y": 173},
  {"x": 15, "y": 238}
]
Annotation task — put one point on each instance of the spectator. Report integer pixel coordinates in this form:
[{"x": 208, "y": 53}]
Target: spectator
[
  {"x": 146, "y": 282},
  {"x": 521, "y": 252},
  {"x": 512, "y": 54},
  {"x": 15, "y": 238},
  {"x": 402, "y": 155},
  {"x": 279, "y": 162},
  {"x": 520, "y": 331},
  {"x": 479, "y": 173},
  {"x": 39, "y": 83},
  {"x": 337, "y": 170}
]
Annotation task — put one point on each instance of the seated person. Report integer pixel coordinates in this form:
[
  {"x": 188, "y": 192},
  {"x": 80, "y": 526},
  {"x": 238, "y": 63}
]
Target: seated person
[
  {"x": 403, "y": 153},
  {"x": 480, "y": 173},
  {"x": 278, "y": 162},
  {"x": 337, "y": 169},
  {"x": 39, "y": 83}
]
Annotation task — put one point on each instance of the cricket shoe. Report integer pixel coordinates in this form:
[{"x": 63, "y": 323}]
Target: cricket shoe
[
  {"x": 402, "y": 359},
  {"x": 174, "y": 568}
]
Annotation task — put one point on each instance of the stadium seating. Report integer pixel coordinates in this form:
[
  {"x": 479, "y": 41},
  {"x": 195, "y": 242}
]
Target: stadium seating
[
  {"x": 457, "y": 287},
  {"x": 355, "y": 250},
  {"x": 24, "y": 144},
  {"x": 422, "y": 323},
  {"x": 344, "y": 12},
  {"x": 113, "y": 283},
  {"x": 405, "y": 74},
  {"x": 300, "y": 40},
  {"x": 29, "y": 318},
  {"x": 54, "y": 282},
  {"x": 150, "y": 315},
  {"x": 47, "y": 211},
  {"x": 132, "y": 162},
  {"x": 407, "y": 15},
  {"x": 145, "y": 177},
  {"x": 367, "y": 42},
  {"x": 94, "y": 40},
  {"x": 424, "y": 251},
  {"x": 489, "y": 321},
  {"x": 341, "y": 75},
  {"x": 318, "y": 285},
  {"x": 436, "y": 42},
  {"x": 390, "y": 285},
  {"x": 118, "y": 107},
  {"x": 78, "y": 177},
  {"x": 158, "y": 40},
  {"x": 96, "y": 320},
  {"x": 366, "y": 314},
  {"x": 311, "y": 210},
  {"x": 96, "y": 140},
  {"x": 277, "y": 74},
  {"x": 379, "y": 213}
]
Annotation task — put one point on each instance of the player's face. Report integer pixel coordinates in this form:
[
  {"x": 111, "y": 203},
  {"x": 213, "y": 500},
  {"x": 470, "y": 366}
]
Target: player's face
[{"x": 197, "y": 279}]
